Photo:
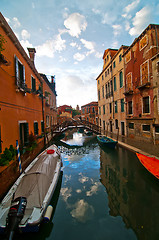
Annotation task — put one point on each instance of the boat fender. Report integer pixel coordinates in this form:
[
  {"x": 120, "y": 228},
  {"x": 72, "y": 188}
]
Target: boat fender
[
  {"x": 48, "y": 213},
  {"x": 50, "y": 151}
]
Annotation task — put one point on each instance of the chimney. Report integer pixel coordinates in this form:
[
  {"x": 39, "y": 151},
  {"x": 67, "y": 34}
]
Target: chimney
[
  {"x": 32, "y": 52},
  {"x": 52, "y": 79}
]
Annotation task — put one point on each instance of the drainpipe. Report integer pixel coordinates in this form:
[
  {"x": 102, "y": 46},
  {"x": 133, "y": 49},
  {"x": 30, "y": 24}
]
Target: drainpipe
[{"x": 43, "y": 114}]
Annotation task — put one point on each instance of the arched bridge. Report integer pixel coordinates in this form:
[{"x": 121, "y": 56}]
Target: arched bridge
[{"x": 72, "y": 123}]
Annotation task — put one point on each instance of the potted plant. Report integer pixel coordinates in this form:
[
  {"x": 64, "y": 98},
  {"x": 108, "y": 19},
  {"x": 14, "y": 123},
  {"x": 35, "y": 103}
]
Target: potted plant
[{"x": 2, "y": 58}]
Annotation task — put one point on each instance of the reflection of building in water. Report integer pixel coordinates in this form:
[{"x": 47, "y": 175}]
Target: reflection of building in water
[{"x": 132, "y": 192}]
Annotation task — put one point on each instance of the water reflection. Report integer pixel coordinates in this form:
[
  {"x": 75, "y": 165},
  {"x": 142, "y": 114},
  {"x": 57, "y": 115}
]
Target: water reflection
[{"x": 132, "y": 192}]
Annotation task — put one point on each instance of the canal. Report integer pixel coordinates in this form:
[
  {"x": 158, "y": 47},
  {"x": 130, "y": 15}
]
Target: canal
[{"x": 102, "y": 194}]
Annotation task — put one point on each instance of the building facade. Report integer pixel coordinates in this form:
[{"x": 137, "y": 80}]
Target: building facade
[
  {"x": 89, "y": 112},
  {"x": 111, "y": 86},
  {"x": 21, "y": 92},
  {"x": 141, "y": 82}
]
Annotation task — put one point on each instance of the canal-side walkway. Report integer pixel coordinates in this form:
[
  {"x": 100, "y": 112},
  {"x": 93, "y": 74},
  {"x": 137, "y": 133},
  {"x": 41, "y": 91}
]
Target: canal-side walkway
[{"x": 147, "y": 148}]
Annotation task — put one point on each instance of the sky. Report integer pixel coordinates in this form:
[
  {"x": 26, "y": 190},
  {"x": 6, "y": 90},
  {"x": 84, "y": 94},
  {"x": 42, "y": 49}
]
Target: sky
[{"x": 70, "y": 37}]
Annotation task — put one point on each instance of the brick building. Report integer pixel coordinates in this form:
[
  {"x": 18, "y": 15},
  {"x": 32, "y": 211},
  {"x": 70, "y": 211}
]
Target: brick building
[
  {"x": 139, "y": 85},
  {"x": 89, "y": 112}
]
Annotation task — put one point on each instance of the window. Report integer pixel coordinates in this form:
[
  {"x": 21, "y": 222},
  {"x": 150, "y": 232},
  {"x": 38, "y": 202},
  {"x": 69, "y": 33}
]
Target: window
[
  {"x": 105, "y": 73},
  {"x": 98, "y": 94},
  {"x": 24, "y": 133},
  {"x": 122, "y": 105},
  {"x": 42, "y": 126},
  {"x": 87, "y": 110},
  {"x": 121, "y": 79},
  {"x": 131, "y": 125},
  {"x": 47, "y": 121},
  {"x": 130, "y": 110},
  {"x": 104, "y": 125},
  {"x": 120, "y": 58},
  {"x": 114, "y": 83},
  {"x": 36, "y": 128},
  {"x": 146, "y": 127},
  {"x": 19, "y": 73},
  {"x": 103, "y": 109},
  {"x": 129, "y": 81},
  {"x": 102, "y": 77},
  {"x": 106, "y": 89},
  {"x": 93, "y": 111},
  {"x": 111, "y": 88},
  {"x": 114, "y": 64},
  {"x": 146, "y": 105},
  {"x": 156, "y": 129},
  {"x": 116, "y": 123},
  {"x": 110, "y": 107},
  {"x": 116, "y": 107},
  {"x": 144, "y": 72},
  {"x": 103, "y": 91},
  {"x": 99, "y": 110},
  {"x": 33, "y": 84}
]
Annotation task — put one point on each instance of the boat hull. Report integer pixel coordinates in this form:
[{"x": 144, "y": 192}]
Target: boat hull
[
  {"x": 37, "y": 184},
  {"x": 106, "y": 142},
  {"x": 150, "y": 163}
]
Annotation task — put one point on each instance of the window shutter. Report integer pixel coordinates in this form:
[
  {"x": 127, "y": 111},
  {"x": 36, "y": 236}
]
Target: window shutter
[
  {"x": 26, "y": 133},
  {"x": 16, "y": 71}
]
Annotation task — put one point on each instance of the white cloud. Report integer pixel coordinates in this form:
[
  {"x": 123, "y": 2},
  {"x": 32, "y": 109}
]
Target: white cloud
[
  {"x": 25, "y": 34},
  {"x": 82, "y": 211},
  {"x": 140, "y": 21},
  {"x": 117, "y": 29},
  {"x": 79, "y": 57},
  {"x": 130, "y": 7},
  {"x": 99, "y": 55},
  {"x": 62, "y": 59},
  {"x": 26, "y": 44},
  {"x": 51, "y": 46},
  {"x": 115, "y": 44},
  {"x": 75, "y": 24},
  {"x": 7, "y": 19},
  {"x": 89, "y": 45},
  {"x": 93, "y": 190},
  {"x": 16, "y": 23}
]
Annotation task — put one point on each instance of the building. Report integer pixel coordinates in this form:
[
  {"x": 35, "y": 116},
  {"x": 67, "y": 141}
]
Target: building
[
  {"x": 89, "y": 112},
  {"x": 64, "y": 113},
  {"x": 50, "y": 109},
  {"x": 141, "y": 85},
  {"x": 21, "y": 92},
  {"x": 111, "y": 86}
]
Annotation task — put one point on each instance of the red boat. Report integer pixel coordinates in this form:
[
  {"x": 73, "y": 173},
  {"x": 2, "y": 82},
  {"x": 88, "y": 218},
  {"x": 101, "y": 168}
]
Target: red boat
[{"x": 150, "y": 163}]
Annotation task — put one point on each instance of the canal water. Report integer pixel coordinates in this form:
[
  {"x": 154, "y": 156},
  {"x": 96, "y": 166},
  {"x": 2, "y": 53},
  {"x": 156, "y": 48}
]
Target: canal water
[{"x": 102, "y": 194}]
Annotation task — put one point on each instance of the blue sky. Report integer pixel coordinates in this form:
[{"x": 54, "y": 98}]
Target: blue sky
[{"x": 70, "y": 37}]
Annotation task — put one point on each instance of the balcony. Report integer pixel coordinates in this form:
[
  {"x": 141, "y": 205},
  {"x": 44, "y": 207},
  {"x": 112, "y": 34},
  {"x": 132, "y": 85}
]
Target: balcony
[
  {"x": 144, "y": 85},
  {"x": 128, "y": 91}
]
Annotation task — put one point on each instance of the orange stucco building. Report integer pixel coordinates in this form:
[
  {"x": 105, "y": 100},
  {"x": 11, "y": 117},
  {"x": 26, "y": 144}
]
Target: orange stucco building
[{"x": 22, "y": 93}]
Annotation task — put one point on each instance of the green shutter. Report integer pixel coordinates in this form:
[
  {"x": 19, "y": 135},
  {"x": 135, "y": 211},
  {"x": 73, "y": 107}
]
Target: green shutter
[
  {"x": 26, "y": 133},
  {"x": 114, "y": 83},
  {"x": 122, "y": 105},
  {"x": 20, "y": 129},
  {"x": 121, "y": 79},
  {"x": 42, "y": 126}
]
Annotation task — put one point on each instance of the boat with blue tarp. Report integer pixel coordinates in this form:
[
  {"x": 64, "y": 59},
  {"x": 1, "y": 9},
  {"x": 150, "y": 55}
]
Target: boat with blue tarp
[{"x": 106, "y": 141}]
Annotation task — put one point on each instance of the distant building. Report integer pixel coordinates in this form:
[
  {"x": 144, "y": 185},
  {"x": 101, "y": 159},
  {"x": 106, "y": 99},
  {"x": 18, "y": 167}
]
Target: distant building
[
  {"x": 21, "y": 93},
  {"x": 64, "y": 112},
  {"x": 89, "y": 112}
]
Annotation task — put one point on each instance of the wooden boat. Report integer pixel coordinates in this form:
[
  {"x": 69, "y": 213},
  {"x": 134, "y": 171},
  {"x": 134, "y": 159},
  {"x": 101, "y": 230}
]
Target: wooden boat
[
  {"x": 25, "y": 205},
  {"x": 106, "y": 141},
  {"x": 150, "y": 163}
]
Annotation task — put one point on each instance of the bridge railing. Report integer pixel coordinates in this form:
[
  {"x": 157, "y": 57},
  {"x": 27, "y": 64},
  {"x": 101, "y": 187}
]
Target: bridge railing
[{"x": 75, "y": 123}]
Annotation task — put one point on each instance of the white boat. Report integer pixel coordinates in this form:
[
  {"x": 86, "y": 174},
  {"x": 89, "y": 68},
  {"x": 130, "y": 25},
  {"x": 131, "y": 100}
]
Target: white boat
[{"x": 26, "y": 203}]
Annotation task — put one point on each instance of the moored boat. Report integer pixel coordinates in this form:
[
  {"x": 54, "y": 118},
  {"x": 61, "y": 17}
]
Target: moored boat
[
  {"x": 106, "y": 141},
  {"x": 150, "y": 163},
  {"x": 25, "y": 204}
]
